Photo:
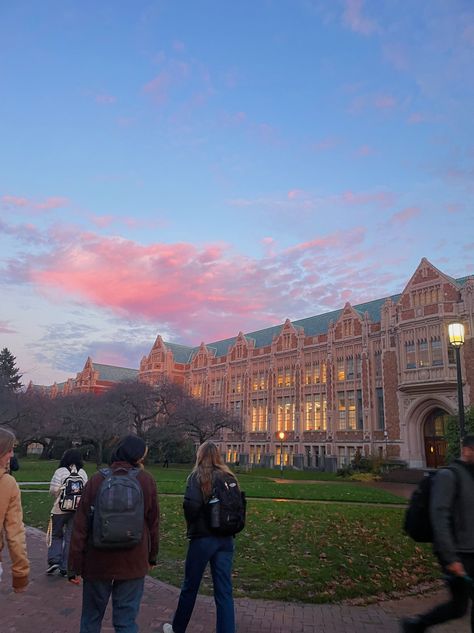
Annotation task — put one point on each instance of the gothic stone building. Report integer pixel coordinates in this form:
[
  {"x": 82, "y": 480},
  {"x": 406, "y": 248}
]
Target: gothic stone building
[{"x": 379, "y": 377}]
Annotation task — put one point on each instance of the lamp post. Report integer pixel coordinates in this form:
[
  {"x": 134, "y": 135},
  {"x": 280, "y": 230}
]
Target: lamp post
[
  {"x": 456, "y": 338},
  {"x": 281, "y": 435}
]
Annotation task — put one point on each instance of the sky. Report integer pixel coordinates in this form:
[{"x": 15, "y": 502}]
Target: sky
[{"x": 196, "y": 168}]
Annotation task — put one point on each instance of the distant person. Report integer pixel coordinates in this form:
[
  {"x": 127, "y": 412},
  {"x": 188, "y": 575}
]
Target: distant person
[
  {"x": 166, "y": 463},
  {"x": 204, "y": 545},
  {"x": 452, "y": 518},
  {"x": 12, "y": 528},
  {"x": 70, "y": 467},
  {"x": 113, "y": 557},
  {"x": 14, "y": 464}
]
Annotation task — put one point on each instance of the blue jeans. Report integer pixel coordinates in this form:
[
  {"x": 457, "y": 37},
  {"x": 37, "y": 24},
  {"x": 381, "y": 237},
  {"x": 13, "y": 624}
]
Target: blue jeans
[
  {"x": 219, "y": 552},
  {"x": 126, "y": 598},
  {"x": 58, "y": 551}
]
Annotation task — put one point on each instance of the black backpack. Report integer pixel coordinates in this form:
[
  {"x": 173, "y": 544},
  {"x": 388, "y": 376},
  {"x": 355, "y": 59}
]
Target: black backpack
[
  {"x": 71, "y": 491},
  {"x": 226, "y": 509},
  {"x": 417, "y": 523},
  {"x": 118, "y": 515}
]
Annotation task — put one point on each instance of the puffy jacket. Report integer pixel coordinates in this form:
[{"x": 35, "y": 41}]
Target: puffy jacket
[
  {"x": 11, "y": 520},
  {"x": 452, "y": 511}
]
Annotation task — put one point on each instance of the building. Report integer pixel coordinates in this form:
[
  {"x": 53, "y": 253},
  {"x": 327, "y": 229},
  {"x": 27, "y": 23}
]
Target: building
[{"x": 379, "y": 377}]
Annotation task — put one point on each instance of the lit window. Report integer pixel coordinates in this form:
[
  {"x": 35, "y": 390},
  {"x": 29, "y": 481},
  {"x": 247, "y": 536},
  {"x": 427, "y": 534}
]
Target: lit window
[{"x": 341, "y": 374}]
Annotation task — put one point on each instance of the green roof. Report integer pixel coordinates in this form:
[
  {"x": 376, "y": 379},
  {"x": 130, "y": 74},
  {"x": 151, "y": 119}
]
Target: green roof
[
  {"x": 312, "y": 326},
  {"x": 115, "y": 374}
]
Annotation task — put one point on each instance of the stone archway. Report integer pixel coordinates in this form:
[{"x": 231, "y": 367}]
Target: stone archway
[
  {"x": 416, "y": 418},
  {"x": 434, "y": 433}
]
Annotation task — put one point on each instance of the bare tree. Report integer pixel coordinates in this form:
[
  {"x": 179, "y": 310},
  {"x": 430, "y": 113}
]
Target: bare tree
[{"x": 202, "y": 422}]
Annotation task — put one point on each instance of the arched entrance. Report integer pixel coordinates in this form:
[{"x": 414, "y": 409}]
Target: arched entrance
[{"x": 435, "y": 438}]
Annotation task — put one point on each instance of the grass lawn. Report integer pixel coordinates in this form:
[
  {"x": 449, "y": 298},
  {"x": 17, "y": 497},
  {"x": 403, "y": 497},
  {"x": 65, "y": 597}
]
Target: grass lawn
[
  {"x": 294, "y": 551},
  {"x": 259, "y": 483}
]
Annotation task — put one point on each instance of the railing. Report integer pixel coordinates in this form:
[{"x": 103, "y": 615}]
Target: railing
[{"x": 429, "y": 374}]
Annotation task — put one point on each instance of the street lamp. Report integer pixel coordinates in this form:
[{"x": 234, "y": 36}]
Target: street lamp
[
  {"x": 456, "y": 338},
  {"x": 281, "y": 435}
]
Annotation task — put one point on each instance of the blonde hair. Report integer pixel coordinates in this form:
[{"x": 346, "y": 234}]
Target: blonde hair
[
  {"x": 7, "y": 441},
  {"x": 208, "y": 460}
]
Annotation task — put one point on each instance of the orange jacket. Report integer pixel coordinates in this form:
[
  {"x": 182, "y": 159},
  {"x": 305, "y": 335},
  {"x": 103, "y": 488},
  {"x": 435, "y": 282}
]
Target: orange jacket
[{"x": 12, "y": 528}]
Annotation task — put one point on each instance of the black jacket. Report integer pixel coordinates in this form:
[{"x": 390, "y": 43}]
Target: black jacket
[
  {"x": 195, "y": 509},
  {"x": 452, "y": 512}
]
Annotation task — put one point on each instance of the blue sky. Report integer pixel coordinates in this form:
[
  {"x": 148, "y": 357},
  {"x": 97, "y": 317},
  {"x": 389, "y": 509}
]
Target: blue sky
[{"x": 198, "y": 168}]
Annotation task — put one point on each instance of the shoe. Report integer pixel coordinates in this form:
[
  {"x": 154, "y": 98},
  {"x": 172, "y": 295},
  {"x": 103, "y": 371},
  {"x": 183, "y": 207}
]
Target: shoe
[
  {"x": 52, "y": 568},
  {"x": 167, "y": 628},
  {"x": 412, "y": 625},
  {"x": 63, "y": 573}
]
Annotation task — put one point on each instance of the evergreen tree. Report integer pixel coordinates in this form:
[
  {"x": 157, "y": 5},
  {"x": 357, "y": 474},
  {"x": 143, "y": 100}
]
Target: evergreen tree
[{"x": 10, "y": 377}]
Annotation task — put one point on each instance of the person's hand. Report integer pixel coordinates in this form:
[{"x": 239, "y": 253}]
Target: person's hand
[{"x": 456, "y": 569}]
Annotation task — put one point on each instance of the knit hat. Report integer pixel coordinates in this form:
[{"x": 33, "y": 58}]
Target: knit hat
[{"x": 130, "y": 449}]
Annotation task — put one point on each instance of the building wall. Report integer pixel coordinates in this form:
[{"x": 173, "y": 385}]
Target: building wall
[{"x": 362, "y": 385}]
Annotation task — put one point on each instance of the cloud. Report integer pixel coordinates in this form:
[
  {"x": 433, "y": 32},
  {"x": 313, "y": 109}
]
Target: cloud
[
  {"x": 6, "y": 328},
  {"x": 20, "y": 202},
  {"x": 197, "y": 292},
  {"x": 384, "y": 102},
  {"x": 353, "y": 18},
  {"x": 365, "y": 150},
  {"x": 402, "y": 217},
  {"x": 105, "y": 99}
]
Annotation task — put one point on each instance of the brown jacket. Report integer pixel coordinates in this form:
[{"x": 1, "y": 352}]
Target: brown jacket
[
  {"x": 123, "y": 564},
  {"x": 11, "y": 526}
]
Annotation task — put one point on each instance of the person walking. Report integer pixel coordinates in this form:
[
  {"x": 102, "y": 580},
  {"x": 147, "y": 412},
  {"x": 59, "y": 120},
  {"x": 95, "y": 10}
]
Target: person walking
[
  {"x": 452, "y": 519},
  {"x": 114, "y": 569},
  {"x": 205, "y": 546},
  {"x": 11, "y": 517},
  {"x": 61, "y": 521}
]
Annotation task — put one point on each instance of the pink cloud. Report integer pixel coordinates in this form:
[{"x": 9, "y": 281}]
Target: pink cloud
[
  {"x": 178, "y": 46},
  {"x": 455, "y": 207},
  {"x": 54, "y": 202},
  {"x": 324, "y": 144},
  {"x": 293, "y": 194},
  {"x": 365, "y": 150},
  {"x": 380, "y": 198},
  {"x": 15, "y": 201},
  {"x": 402, "y": 217},
  {"x": 416, "y": 117},
  {"x": 5, "y": 328},
  {"x": 105, "y": 98},
  {"x": 384, "y": 102},
  {"x": 352, "y": 17},
  {"x": 174, "y": 74}
]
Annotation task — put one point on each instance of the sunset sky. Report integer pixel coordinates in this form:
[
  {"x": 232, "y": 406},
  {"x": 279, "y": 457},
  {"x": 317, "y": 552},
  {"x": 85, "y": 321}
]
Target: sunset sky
[{"x": 193, "y": 168}]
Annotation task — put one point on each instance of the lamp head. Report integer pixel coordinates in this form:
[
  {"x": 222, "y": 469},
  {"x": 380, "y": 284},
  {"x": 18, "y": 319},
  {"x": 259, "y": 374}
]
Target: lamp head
[{"x": 456, "y": 334}]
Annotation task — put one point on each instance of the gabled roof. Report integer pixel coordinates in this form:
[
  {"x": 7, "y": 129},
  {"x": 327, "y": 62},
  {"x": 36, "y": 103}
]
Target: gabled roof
[
  {"x": 312, "y": 326},
  {"x": 115, "y": 374}
]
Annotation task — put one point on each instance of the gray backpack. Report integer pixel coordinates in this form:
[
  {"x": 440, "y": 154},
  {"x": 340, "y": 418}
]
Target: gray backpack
[{"x": 118, "y": 515}]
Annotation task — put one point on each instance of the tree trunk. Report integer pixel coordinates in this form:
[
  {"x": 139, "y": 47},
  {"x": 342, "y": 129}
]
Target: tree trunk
[{"x": 99, "y": 445}]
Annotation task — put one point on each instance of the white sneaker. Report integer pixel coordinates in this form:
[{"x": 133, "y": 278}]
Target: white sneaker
[{"x": 167, "y": 628}]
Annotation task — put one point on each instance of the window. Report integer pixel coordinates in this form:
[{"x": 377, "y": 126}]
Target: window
[
  {"x": 451, "y": 355},
  {"x": 285, "y": 414},
  {"x": 436, "y": 352},
  {"x": 380, "y": 411},
  {"x": 410, "y": 355},
  {"x": 341, "y": 410},
  {"x": 350, "y": 368},
  {"x": 309, "y": 413},
  {"x": 341, "y": 374},
  {"x": 259, "y": 416},
  {"x": 323, "y": 373},
  {"x": 351, "y": 410},
  {"x": 358, "y": 366},
  {"x": 423, "y": 354},
  {"x": 360, "y": 410}
]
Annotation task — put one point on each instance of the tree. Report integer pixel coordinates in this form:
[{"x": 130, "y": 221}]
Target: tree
[
  {"x": 202, "y": 422},
  {"x": 10, "y": 377},
  {"x": 452, "y": 433}
]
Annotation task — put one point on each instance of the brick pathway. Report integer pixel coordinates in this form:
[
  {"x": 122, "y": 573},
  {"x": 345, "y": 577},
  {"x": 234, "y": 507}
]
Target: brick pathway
[{"x": 52, "y": 605}]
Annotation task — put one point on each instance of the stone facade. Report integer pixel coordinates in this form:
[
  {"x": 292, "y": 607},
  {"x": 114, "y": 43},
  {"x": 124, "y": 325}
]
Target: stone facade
[{"x": 375, "y": 378}]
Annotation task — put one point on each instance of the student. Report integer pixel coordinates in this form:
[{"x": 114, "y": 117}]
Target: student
[
  {"x": 61, "y": 522},
  {"x": 452, "y": 518},
  {"x": 11, "y": 516},
  {"x": 115, "y": 571},
  {"x": 204, "y": 546}
]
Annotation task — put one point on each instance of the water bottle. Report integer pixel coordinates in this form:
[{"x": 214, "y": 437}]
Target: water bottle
[{"x": 214, "y": 512}]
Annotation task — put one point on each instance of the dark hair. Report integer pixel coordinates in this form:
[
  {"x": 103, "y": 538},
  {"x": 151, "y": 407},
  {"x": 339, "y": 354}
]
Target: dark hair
[
  {"x": 131, "y": 449},
  {"x": 468, "y": 440},
  {"x": 71, "y": 457}
]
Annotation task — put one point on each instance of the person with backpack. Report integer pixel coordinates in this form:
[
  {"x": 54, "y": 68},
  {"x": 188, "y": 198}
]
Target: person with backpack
[
  {"x": 214, "y": 509},
  {"x": 12, "y": 529},
  {"x": 451, "y": 510},
  {"x": 66, "y": 487},
  {"x": 115, "y": 538}
]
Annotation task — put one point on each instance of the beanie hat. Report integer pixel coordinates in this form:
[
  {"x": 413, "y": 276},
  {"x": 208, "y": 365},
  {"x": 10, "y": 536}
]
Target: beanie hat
[{"x": 131, "y": 449}]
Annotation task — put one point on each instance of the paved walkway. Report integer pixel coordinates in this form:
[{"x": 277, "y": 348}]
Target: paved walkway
[{"x": 52, "y": 605}]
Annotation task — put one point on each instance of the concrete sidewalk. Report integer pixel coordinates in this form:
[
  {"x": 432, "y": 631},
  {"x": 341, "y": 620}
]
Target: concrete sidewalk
[{"x": 52, "y": 605}]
